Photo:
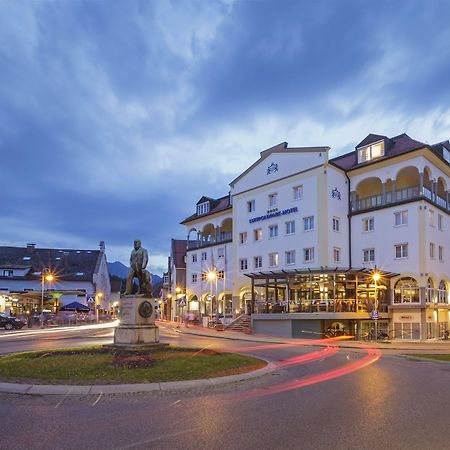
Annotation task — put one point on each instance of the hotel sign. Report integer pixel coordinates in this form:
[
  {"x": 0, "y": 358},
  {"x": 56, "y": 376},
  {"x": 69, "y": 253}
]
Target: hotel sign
[{"x": 274, "y": 214}]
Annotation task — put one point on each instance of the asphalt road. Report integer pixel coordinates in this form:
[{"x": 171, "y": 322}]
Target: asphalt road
[{"x": 319, "y": 398}]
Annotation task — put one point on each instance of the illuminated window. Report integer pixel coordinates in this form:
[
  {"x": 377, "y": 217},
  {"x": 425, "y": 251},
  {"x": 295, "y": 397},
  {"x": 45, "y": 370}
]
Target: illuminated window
[
  {"x": 370, "y": 152},
  {"x": 257, "y": 234},
  {"x": 273, "y": 259}
]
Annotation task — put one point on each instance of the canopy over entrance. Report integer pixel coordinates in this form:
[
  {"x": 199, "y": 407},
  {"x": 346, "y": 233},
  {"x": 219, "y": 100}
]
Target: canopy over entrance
[{"x": 320, "y": 290}]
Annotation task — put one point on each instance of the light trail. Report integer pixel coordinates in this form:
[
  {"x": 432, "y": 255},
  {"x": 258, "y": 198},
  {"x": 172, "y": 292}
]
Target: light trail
[
  {"x": 373, "y": 354},
  {"x": 308, "y": 357}
]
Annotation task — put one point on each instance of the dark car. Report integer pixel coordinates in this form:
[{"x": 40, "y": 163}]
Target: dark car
[{"x": 8, "y": 322}]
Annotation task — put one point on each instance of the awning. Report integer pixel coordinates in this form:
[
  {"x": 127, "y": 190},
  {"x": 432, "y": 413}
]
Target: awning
[{"x": 75, "y": 306}]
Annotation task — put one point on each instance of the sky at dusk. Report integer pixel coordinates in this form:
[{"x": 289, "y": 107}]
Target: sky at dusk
[{"x": 117, "y": 116}]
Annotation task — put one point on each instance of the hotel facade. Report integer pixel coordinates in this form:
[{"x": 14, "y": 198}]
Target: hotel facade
[{"x": 312, "y": 246}]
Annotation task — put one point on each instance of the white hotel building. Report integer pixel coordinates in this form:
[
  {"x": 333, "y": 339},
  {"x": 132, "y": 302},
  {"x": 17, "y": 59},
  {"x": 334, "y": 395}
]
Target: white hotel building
[{"x": 308, "y": 244}]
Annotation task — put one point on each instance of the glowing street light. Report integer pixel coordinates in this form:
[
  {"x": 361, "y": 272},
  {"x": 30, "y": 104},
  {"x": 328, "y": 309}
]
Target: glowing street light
[
  {"x": 376, "y": 277},
  {"x": 49, "y": 277}
]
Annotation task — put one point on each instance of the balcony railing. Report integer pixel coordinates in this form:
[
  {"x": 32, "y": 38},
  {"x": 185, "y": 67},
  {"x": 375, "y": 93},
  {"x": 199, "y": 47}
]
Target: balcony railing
[
  {"x": 398, "y": 195},
  {"x": 222, "y": 238}
]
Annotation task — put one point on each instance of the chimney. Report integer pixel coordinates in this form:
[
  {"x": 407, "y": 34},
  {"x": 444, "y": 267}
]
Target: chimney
[
  {"x": 102, "y": 246},
  {"x": 31, "y": 248}
]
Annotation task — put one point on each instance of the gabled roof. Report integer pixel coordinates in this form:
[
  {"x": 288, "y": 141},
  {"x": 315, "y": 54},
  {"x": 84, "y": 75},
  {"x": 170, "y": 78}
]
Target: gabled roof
[
  {"x": 216, "y": 205},
  {"x": 65, "y": 263},
  {"x": 370, "y": 139},
  {"x": 280, "y": 148},
  {"x": 395, "y": 146},
  {"x": 204, "y": 200}
]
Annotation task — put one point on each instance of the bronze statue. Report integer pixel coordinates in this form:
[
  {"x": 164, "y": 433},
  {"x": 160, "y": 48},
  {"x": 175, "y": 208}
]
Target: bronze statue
[{"x": 138, "y": 263}]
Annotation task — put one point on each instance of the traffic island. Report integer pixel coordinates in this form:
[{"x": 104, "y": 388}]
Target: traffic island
[{"x": 102, "y": 366}]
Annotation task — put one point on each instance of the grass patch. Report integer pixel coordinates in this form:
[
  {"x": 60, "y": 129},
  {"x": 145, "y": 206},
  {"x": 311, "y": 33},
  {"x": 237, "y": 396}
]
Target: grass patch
[
  {"x": 96, "y": 365},
  {"x": 435, "y": 356}
]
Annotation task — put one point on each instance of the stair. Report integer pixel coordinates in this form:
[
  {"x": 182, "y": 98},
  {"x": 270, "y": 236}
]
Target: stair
[{"x": 241, "y": 323}]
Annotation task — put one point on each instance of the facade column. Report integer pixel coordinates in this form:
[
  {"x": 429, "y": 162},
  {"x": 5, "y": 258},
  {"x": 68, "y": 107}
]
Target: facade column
[
  {"x": 253, "y": 295},
  {"x": 267, "y": 295},
  {"x": 421, "y": 175},
  {"x": 353, "y": 198},
  {"x": 448, "y": 200},
  {"x": 383, "y": 193},
  {"x": 217, "y": 233},
  {"x": 394, "y": 192},
  {"x": 433, "y": 191}
]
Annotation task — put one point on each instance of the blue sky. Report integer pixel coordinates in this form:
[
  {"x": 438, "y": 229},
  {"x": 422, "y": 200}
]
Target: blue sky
[{"x": 116, "y": 117}]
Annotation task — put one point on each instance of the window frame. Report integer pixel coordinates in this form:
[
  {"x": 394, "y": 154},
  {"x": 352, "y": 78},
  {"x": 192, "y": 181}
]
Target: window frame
[
  {"x": 291, "y": 259},
  {"x": 402, "y": 247},
  {"x": 310, "y": 251},
  {"x": 368, "y": 220},
  {"x": 276, "y": 257},
  {"x": 308, "y": 219},
  {"x": 401, "y": 215},
  {"x": 370, "y": 251},
  {"x": 273, "y": 231}
]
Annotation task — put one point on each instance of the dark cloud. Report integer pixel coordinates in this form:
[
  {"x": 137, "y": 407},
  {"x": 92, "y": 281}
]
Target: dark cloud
[{"x": 115, "y": 119}]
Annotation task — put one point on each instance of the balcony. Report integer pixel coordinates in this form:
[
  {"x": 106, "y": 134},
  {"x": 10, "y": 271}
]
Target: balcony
[
  {"x": 223, "y": 237},
  {"x": 398, "y": 195}
]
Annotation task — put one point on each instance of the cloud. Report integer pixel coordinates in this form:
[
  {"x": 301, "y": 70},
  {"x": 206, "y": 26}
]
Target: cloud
[{"x": 115, "y": 120}]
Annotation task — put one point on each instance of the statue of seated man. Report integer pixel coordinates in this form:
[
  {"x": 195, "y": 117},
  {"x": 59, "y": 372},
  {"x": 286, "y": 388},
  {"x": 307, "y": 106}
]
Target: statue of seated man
[{"x": 138, "y": 264}]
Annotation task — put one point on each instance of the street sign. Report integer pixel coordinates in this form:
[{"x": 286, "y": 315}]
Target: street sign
[
  {"x": 91, "y": 300},
  {"x": 182, "y": 301},
  {"x": 374, "y": 315}
]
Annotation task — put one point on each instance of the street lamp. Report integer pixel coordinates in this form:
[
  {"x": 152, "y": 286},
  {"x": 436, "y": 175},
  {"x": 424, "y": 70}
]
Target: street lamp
[
  {"x": 98, "y": 295},
  {"x": 46, "y": 276},
  {"x": 376, "y": 277},
  {"x": 177, "y": 292},
  {"x": 212, "y": 276}
]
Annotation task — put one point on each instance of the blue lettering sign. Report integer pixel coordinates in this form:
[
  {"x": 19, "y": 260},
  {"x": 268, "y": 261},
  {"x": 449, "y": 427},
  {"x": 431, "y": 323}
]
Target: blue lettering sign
[{"x": 274, "y": 214}]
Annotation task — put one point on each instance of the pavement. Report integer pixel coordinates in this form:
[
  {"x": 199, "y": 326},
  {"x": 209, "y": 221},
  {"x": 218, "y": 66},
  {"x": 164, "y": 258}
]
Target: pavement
[{"x": 410, "y": 345}]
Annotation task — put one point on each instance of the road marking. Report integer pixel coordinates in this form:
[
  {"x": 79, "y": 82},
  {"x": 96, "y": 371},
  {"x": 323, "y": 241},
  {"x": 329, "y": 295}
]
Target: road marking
[
  {"x": 65, "y": 396},
  {"x": 98, "y": 399}
]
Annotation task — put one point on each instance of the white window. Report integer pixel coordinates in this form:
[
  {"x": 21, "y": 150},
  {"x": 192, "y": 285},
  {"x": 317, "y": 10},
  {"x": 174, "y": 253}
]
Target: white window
[
  {"x": 431, "y": 219},
  {"x": 250, "y": 206},
  {"x": 257, "y": 234},
  {"x": 400, "y": 218},
  {"x": 194, "y": 278},
  {"x": 194, "y": 257},
  {"x": 221, "y": 252},
  {"x": 243, "y": 264},
  {"x": 371, "y": 152},
  {"x": 297, "y": 192},
  {"x": 273, "y": 231},
  {"x": 432, "y": 250},
  {"x": 221, "y": 274},
  {"x": 336, "y": 254},
  {"x": 336, "y": 224},
  {"x": 273, "y": 259},
  {"x": 308, "y": 254},
  {"x": 243, "y": 238},
  {"x": 308, "y": 223},
  {"x": 446, "y": 154},
  {"x": 257, "y": 260},
  {"x": 290, "y": 257},
  {"x": 8, "y": 273},
  {"x": 368, "y": 224},
  {"x": 401, "y": 251},
  {"x": 441, "y": 253},
  {"x": 290, "y": 227},
  {"x": 273, "y": 200},
  {"x": 369, "y": 255},
  {"x": 204, "y": 276},
  {"x": 440, "y": 222},
  {"x": 203, "y": 208},
  {"x": 204, "y": 256}
]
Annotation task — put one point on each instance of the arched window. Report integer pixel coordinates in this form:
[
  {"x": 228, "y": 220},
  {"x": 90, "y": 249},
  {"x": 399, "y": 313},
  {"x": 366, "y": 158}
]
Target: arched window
[
  {"x": 430, "y": 294},
  {"x": 442, "y": 292},
  {"x": 406, "y": 291}
]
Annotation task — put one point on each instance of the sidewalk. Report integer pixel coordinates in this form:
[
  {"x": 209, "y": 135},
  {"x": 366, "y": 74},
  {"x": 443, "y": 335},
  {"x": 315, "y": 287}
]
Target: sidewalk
[{"x": 428, "y": 346}]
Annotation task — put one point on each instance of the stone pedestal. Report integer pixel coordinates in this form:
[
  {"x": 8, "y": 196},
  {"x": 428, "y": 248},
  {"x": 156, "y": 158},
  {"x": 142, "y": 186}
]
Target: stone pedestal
[{"x": 137, "y": 322}]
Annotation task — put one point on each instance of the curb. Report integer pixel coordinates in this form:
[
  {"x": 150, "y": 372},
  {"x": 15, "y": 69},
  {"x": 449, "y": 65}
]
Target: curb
[{"x": 62, "y": 389}]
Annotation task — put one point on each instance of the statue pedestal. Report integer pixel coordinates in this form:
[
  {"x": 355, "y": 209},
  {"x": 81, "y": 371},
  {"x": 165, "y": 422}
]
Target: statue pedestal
[{"x": 137, "y": 322}]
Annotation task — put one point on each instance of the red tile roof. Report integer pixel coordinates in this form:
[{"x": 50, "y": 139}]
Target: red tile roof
[{"x": 216, "y": 205}]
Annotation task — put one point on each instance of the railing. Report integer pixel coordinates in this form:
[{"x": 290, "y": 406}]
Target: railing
[
  {"x": 408, "y": 193},
  {"x": 222, "y": 238}
]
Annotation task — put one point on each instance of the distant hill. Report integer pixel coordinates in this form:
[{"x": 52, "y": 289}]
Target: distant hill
[{"x": 121, "y": 270}]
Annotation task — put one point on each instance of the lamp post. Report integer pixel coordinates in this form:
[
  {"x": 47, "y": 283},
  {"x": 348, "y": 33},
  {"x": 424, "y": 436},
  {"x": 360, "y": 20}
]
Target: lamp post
[
  {"x": 98, "y": 296},
  {"x": 212, "y": 276},
  {"x": 177, "y": 292},
  {"x": 376, "y": 277},
  {"x": 169, "y": 306},
  {"x": 46, "y": 276}
]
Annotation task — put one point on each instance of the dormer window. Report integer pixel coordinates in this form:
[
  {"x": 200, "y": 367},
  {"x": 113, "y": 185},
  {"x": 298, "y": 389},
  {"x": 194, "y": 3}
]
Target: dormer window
[
  {"x": 370, "y": 152},
  {"x": 446, "y": 154},
  {"x": 203, "y": 208}
]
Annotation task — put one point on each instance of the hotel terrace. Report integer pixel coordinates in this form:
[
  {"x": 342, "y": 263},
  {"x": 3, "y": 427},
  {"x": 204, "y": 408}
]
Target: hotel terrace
[{"x": 307, "y": 245}]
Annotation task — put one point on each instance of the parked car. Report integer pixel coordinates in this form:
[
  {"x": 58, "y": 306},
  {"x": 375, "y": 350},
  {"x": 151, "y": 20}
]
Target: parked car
[{"x": 8, "y": 322}]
